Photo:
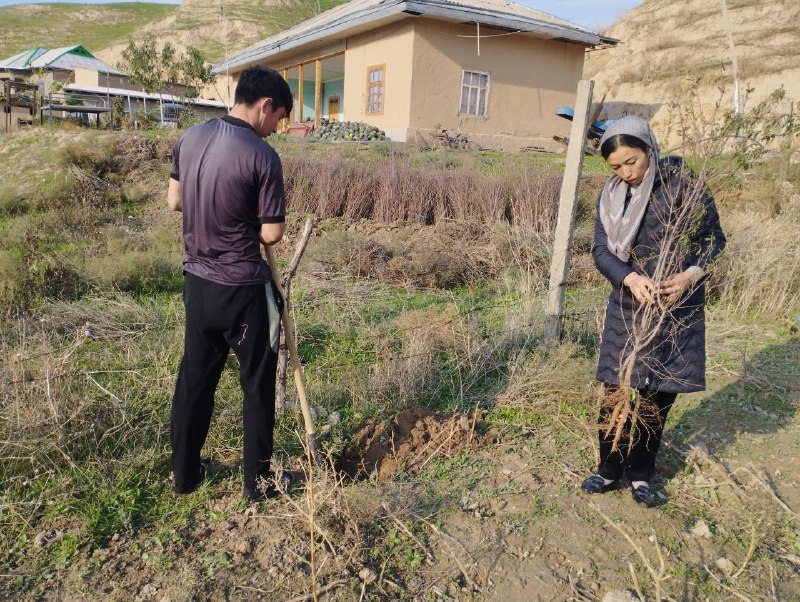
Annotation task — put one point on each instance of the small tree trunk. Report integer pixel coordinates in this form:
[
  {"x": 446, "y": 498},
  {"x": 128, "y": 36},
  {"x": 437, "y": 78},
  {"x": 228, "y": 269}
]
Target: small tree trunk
[{"x": 283, "y": 354}]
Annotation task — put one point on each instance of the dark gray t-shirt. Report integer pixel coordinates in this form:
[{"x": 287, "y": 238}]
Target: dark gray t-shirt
[{"x": 231, "y": 183}]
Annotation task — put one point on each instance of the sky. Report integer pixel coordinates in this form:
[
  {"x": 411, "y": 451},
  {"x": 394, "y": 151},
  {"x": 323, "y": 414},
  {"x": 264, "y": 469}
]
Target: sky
[{"x": 589, "y": 13}]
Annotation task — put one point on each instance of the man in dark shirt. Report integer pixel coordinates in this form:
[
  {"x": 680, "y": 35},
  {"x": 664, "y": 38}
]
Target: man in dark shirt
[{"x": 228, "y": 183}]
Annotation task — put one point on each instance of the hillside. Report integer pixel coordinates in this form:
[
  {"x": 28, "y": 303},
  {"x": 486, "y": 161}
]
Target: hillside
[
  {"x": 202, "y": 24},
  {"x": 670, "y": 44},
  {"x": 104, "y": 29},
  {"x": 94, "y": 26}
]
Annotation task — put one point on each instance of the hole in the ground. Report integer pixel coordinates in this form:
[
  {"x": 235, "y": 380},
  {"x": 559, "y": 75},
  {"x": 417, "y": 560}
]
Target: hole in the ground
[{"x": 407, "y": 441}]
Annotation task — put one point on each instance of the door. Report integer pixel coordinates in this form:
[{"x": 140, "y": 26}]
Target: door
[{"x": 333, "y": 108}]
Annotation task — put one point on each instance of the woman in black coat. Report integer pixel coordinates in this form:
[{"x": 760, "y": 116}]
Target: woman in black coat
[{"x": 656, "y": 231}]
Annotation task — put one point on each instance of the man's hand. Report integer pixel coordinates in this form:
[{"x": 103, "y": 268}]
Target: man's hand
[
  {"x": 676, "y": 285},
  {"x": 641, "y": 286}
]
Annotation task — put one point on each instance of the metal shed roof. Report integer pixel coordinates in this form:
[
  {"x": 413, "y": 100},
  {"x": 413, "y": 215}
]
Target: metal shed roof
[
  {"x": 360, "y": 14},
  {"x": 67, "y": 58}
]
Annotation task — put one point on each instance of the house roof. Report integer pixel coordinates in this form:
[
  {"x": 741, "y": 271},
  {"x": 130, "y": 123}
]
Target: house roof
[
  {"x": 23, "y": 59},
  {"x": 67, "y": 58},
  {"x": 361, "y": 15}
]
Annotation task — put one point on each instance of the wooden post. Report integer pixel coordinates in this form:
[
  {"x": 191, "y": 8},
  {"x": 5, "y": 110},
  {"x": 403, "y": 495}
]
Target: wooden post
[
  {"x": 737, "y": 99},
  {"x": 300, "y": 86},
  {"x": 285, "y": 73},
  {"x": 318, "y": 93},
  {"x": 568, "y": 203}
]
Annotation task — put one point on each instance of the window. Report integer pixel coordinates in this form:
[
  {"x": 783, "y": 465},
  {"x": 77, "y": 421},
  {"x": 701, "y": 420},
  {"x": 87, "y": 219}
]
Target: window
[
  {"x": 375, "y": 83},
  {"x": 474, "y": 93}
]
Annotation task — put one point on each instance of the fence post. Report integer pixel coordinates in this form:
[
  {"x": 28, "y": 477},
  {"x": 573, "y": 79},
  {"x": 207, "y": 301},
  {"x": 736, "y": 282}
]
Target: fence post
[{"x": 559, "y": 265}]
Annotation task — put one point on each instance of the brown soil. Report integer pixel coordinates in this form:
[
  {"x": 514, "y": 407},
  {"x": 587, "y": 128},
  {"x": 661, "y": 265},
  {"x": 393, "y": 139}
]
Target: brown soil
[{"x": 406, "y": 442}]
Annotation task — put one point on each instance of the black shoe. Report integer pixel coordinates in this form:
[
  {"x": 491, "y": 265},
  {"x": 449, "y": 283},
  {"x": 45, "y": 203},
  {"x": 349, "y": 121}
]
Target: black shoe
[
  {"x": 187, "y": 488},
  {"x": 644, "y": 496},
  {"x": 596, "y": 484},
  {"x": 266, "y": 487}
]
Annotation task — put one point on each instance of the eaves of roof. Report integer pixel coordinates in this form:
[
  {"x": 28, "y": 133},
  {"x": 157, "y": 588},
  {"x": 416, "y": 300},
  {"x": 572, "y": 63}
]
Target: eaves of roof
[
  {"x": 100, "y": 90},
  {"x": 376, "y": 14}
]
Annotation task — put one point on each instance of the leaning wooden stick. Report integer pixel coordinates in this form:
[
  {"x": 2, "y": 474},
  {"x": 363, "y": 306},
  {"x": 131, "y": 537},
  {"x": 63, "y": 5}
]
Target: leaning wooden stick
[
  {"x": 283, "y": 360},
  {"x": 299, "y": 381}
]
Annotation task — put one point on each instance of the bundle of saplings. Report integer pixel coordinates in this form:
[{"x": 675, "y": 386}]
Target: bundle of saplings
[{"x": 347, "y": 130}]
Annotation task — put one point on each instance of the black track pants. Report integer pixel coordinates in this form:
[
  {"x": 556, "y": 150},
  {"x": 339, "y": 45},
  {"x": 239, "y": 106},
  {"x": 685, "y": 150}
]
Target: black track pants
[
  {"x": 636, "y": 459},
  {"x": 220, "y": 318}
]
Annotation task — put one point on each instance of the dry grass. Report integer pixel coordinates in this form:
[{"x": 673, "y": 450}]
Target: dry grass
[
  {"x": 56, "y": 415},
  {"x": 543, "y": 379},
  {"x": 760, "y": 270}
]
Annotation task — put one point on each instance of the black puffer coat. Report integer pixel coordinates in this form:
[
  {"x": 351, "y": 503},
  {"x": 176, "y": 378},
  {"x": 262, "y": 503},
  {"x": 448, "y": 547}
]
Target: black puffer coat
[{"x": 675, "y": 361}]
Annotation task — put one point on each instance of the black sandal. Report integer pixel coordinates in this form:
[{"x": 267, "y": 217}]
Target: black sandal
[
  {"x": 644, "y": 496},
  {"x": 597, "y": 484}
]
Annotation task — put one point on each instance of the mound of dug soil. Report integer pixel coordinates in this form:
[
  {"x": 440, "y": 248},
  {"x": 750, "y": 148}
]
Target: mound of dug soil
[{"x": 406, "y": 442}]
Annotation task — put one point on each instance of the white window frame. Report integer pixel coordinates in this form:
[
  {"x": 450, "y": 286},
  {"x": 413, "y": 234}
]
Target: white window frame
[{"x": 469, "y": 88}]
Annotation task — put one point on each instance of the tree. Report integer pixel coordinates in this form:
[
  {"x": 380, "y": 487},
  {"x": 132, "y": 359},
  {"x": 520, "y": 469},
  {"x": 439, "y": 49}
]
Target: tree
[
  {"x": 143, "y": 64},
  {"x": 195, "y": 72},
  {"x": 165, "y": 69}
]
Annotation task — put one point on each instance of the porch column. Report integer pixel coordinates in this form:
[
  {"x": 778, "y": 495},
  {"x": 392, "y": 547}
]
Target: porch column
[
  {"x": 318, "y": 93},
  {"x": 300, "y": 86},
  {"x": 285, "y": 74}
]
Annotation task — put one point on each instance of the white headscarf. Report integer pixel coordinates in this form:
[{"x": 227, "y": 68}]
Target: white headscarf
[{"x": 621, "y": 225}]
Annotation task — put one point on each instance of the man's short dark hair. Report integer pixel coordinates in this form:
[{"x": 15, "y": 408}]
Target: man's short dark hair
[{"x": 263, "y": 82}]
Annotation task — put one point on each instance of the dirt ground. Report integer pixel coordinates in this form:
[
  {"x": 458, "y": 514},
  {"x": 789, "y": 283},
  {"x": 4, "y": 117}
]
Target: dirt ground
[{"x": 454, "y": 508}]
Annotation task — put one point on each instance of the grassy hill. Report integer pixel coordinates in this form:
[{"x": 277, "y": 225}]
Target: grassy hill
[
  {"x": 104, "y": 29},
  {"x": 94, "y": 26}
]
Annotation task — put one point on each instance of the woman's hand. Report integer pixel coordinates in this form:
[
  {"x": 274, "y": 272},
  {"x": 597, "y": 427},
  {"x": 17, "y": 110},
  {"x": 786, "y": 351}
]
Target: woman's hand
[
  {"x": 641, "y": 286},
  {"x": 676, "y": 285}
]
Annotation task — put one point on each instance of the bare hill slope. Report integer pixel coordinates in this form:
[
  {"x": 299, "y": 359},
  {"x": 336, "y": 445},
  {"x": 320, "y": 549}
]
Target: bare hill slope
[{"x": 671, "y": 46}]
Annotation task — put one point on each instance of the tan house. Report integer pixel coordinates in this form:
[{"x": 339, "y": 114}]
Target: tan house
[{"x": 493, "y": 70}]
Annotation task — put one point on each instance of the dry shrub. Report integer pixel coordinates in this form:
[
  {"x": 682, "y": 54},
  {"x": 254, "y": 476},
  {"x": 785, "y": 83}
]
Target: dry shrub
[
  {"x": 400, "y": 379},
  {"x": 97, "y": 158},
  {"x": 445, "y": 255},
  {"x": 137, "y": 261},
  {"x": 760, "y": 269},
  {"x": 545, "y": 378},
  {"x": 115, "y": 318},
  {"x": 392, "y": 188},
  {"x": 135, "y": 271},
  {"x": 348, "y": 253},
  {"x": 451, "y": 253}
]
